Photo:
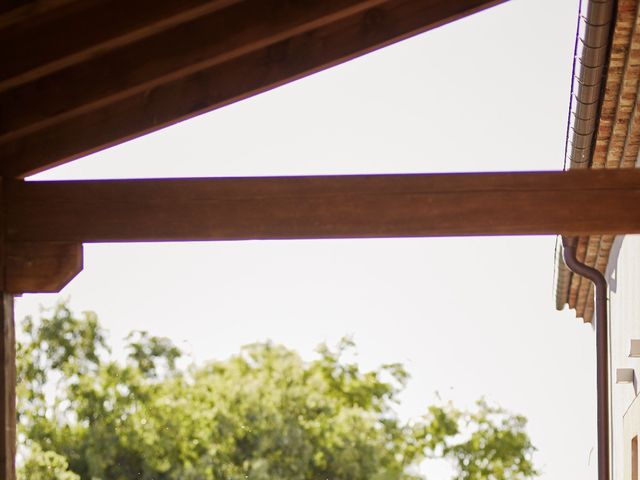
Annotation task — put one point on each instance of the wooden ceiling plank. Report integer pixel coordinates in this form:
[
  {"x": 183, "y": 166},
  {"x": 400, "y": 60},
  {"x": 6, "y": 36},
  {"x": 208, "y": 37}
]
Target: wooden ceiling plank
[
  {"x": 84, "y": 29},
  {"x": 16, "y": 11},
  {"x": 228, "y": 82},
  {"x": 360, "y": 206},
  {"x": 174, "y": 53}
]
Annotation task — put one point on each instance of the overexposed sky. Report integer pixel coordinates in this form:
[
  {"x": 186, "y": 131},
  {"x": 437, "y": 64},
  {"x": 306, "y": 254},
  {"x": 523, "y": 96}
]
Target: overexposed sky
[{"x": 468, "y": 316}]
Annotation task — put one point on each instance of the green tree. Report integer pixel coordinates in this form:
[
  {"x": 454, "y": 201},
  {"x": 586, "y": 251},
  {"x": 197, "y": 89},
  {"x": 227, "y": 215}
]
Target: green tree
[
  {"x": 41, "y": 465},
  {"x": 262, "y": 414}
]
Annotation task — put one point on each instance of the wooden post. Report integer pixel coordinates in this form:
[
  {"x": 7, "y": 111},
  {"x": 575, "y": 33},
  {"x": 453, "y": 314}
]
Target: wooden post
[{"x": 7, "y": 390}]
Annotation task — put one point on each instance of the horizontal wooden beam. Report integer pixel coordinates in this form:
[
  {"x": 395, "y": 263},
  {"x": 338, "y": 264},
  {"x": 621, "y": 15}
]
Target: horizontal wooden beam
[
  {"x": 571, "y": 203},
  {"x": 54, "y": 131}
]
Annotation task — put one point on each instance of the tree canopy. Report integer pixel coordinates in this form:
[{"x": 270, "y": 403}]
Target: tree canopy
[{"x": 264, "y": 413}]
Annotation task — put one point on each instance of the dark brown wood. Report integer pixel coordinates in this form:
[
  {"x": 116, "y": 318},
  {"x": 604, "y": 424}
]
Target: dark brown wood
[
  {"x": 38, "y": 267},
  {"x": 193, "y": 46},
  {"x": 60, "y": 136},
  {"x": 21, "y": 8},
  {"x": 7, "y": 389},
  {"x": 8, "y": 437},
  {"x": 84, "y": 29},
  {"x": 576, "y": 202}
]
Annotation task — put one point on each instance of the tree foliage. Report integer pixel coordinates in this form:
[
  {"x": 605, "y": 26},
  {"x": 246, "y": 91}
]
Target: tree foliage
[{"x": 262, "y": 414}]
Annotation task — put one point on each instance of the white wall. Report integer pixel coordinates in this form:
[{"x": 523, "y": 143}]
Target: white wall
[
  {"x": 623, "y": 275},
  {"x": 631, "y": 430}
]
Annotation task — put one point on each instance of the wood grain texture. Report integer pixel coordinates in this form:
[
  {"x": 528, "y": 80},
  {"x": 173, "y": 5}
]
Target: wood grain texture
[
  {"x": 16, "y": 8},
  {"x": 7, "y": 389},
  {"x": 356, "y": 206},
  {"x": 61, "y": 137},
  {"x": 83, "y": 30},
  {"x": 38, "y": 267},
  {"x": 206, "y": 41}
]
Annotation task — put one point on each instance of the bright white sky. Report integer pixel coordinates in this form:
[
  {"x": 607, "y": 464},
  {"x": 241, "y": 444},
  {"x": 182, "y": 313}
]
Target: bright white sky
[{"x": 469, "y": 317}]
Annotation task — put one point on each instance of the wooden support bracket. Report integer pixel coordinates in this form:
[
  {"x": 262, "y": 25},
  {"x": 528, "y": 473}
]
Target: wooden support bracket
[
  {"x": 26, "y": 267},
  {"x": 40, "y": 267},
  {"x": 35, "y": 266}
]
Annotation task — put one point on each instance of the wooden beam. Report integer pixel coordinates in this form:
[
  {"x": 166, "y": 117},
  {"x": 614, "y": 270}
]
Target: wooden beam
[
  {"x": 7, "y": 389},
  {"x": 16, "y": 11},
  {"x": 61, "y": 136},
  {"x": 8, "y": 436},
  {"x": 38, "y": 267},
  {"x": 368, "y": 206},
  {"x": 83, "y": 30},
  {"x": 174, "y": 53}
]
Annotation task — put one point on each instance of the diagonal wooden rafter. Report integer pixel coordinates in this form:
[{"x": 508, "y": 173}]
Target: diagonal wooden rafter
[
  {"x": 28, "y": 51},
  {"x": 206, "y": 41},
  {"x": 81, "y": 109}
]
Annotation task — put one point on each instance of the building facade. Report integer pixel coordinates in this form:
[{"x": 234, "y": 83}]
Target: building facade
[{"x": 623, "y": 276}]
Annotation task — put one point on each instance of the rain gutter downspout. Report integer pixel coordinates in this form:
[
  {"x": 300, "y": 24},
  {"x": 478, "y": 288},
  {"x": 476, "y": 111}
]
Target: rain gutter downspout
[
  {"x": 602, "y": 350},
  {"x": 593, "y": 46}
]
